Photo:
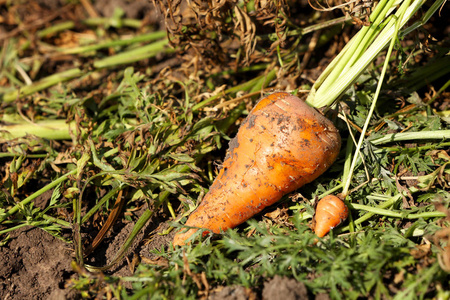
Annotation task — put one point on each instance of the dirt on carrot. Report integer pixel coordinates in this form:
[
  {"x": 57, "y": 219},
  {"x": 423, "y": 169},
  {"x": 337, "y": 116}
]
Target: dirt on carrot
[{"x": 282, "y": 145}]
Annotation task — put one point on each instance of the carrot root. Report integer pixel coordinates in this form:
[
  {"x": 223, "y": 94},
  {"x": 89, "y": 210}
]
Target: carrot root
[
  {"x": 282, "y": 145},
  {"x": 330, "y": 212}
]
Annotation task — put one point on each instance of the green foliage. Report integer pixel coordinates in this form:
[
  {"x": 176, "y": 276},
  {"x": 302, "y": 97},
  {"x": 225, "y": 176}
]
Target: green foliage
[
  {"x": 361, "y": 265},
  {"x": 157, "y": 138}
]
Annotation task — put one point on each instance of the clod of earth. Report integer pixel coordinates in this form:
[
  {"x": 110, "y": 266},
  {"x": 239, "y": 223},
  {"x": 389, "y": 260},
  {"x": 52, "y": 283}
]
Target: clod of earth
[{"x": 282, "y": 145}]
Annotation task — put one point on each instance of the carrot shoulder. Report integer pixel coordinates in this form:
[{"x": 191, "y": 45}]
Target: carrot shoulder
[{"x": 282, "y": 145}]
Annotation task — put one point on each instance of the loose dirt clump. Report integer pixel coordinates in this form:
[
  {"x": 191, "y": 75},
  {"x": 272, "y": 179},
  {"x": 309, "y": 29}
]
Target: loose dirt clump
[
  {"x": 234, "y": 292},
  {"x": 284, "y": 288},
  {"x": 34, "y": 265}
]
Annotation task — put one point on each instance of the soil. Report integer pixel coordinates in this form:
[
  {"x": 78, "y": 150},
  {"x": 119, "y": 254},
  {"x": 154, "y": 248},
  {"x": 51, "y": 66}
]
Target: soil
[
  {"x": 148, "y": 238},
  {"x": 233, "y": 292},
  {"x": 35, "y": 265},
  {"x": 274, "y": 288},
  {"x": 284, "y": 288}
]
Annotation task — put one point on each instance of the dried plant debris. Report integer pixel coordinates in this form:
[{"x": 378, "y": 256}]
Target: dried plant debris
[
  {"x": 219, "y": 30},
  {"x": 358, "y": 10}
]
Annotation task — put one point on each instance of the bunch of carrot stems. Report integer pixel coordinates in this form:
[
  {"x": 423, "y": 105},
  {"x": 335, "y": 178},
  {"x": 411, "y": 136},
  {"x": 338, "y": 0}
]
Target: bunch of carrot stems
[{"x": 365, "y": 46}]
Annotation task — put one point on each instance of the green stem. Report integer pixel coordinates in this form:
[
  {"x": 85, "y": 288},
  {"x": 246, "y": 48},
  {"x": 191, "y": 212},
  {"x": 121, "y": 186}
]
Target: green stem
[
  {"x": 367, "y": 34},
  {"x": 13, "y": 228},
  {"x": 418, "y": 149},
  {"x": 36, "y": 194},
  {"x": 49, "y": 129},
  {"x": 348, "y": 162},
  {"x": 101, "y": 202},
  {"x": 56, "y": 220},
  {"x": 394, "y": 214},
  {"x": 327, "y": 93},
  {"x": 56, "y": 28},
  {"x": 122, "y": 42},
  {"x": 361, "y": 42},
  {"x": 430, "y": 12},
  {"x": 134, "y": 55},
  {"x": 369, "y": 215},
  {"x": 375, "y": 99},
  {"x": 47, "y": 218},
  {"x": 133, "y": 23},
  {"x": 405, "y": 136},
  {"x": 41, "y": 84}
]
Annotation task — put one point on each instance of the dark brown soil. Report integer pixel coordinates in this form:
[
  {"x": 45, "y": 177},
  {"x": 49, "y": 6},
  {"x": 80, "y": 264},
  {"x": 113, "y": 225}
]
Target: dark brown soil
[
  {"x": 35, "y": 265},
  {"x": 284, "y": 288},
  {"x": 275, "y": 288},
  {"x": 148, "y": 239}
]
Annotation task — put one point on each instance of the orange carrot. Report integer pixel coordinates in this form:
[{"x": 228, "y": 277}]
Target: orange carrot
[
  {"x": 282, "y": 145},
  {"x": 330, "y": 212}
]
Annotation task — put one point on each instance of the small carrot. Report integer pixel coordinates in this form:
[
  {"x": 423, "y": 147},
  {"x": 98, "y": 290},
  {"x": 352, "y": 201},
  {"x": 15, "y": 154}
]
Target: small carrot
[
  {"x": 330, "y": 212},
  {"x": 282, "y": 145}
]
